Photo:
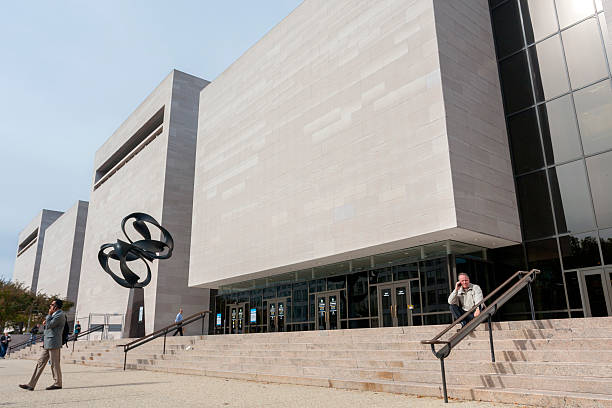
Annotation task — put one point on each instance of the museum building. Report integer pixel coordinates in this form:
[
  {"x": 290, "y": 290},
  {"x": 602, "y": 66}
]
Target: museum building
[{"x": 361, "y": 155}]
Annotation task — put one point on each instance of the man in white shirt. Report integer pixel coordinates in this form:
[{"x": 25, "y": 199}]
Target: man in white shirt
[{"x": 463, "y": 298}]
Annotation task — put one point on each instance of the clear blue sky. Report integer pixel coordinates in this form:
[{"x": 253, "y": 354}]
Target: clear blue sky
[{"x": 72, "y": 71}]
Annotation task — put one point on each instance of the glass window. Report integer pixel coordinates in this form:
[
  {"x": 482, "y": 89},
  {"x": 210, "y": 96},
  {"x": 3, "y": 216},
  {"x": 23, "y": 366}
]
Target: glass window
[
  {"x": 358, "y": 295},
  {"x": 336, "y": 282},
  {"x": 525, "y": 142},
  {"x": 540, "y": 18},
  {"x": 599, "y": 169},
  {"x": 573, "y": 290},
  {"x": 548, "y": 68},
  {"x": 534, "y": 205},
  {"x": 605, "y": 239},
  {"x": 559, "y": 130},
  {"x": 507, "y": 30},
  {"x": 516, "y": 85},
  {"x": 571, "y": 11},
  {"x": 361, "y": 264},
  {"x": 579, "y": 250},
  {"x": 584, "y": 53},
  {"x": 594, "y": 109},
  {"x": 571, "y": 198},
  {"x": 548, "y": 290}
]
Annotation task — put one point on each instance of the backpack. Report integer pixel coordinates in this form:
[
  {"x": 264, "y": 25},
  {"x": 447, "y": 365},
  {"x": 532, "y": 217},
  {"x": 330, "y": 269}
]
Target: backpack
[{"x": 65, "y": 333}]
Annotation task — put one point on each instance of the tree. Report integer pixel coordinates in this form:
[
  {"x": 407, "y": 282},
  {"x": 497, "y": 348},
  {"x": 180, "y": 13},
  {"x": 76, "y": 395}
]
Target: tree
[{"x": 19, "y": 306}]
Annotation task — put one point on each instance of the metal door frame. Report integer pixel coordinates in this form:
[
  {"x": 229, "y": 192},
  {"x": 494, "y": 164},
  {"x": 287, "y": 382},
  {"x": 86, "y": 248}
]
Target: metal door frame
[
  {"x": 229, "y": 320},
  {"x": 283, "y": 299},
  {"x": 407, "y": 283},
  {"x": 605, "y": 275},
  {"x": 326, "y": 295}
]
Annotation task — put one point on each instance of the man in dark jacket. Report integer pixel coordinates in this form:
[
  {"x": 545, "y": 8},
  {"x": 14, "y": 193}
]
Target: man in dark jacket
[{"x": 52, "y": 345}]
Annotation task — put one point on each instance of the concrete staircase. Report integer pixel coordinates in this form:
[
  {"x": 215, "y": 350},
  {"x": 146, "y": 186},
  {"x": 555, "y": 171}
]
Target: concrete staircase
[{"x": 549, "y": 363}]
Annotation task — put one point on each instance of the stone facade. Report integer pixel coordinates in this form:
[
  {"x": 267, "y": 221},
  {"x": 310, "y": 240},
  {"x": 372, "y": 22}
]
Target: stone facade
[
  {"x": 352, "y": 128},
  {"x": 30, "y": 247},
  {"x": 146, "y": 166},
  {"x": 60, "y": 266}
]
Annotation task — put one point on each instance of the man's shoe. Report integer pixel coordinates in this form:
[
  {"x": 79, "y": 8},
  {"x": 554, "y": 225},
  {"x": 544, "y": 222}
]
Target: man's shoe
[
  {"x": 54, "y": 387},
  {"x": 26, "y": 387}
]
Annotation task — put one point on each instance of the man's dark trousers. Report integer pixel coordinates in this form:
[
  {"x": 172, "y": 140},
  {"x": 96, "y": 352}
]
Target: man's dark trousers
[
  {"x": 180, "y": 329},
  {"x": 458, "y": 312}
]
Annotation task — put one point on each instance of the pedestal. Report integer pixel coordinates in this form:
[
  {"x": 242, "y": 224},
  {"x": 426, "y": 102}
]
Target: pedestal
[{"x": 135, "y": 316}]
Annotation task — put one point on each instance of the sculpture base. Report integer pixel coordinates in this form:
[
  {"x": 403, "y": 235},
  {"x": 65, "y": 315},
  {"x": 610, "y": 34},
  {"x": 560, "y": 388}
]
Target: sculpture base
[{"x": 135, "y": 317}]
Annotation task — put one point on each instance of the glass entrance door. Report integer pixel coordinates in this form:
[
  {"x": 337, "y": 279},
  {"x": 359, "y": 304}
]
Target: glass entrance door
[
  {"x": 596, "y": 292},
  {"x": 395, "y": 305},
  {"x": 277, "y": 313},
  {"x": 328, "y": 311},
  {"x": 237, "y": 316}
]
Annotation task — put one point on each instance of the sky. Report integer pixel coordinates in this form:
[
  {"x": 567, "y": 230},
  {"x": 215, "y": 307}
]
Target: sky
[{"x": 72, "y": 71}]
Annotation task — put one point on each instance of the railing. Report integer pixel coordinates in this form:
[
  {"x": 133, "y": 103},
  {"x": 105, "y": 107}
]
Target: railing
[
  {"x": 24, "y": 344},
  {"x": 525, "y": 279},
  {"x": 162, "y": 332},
  {"x": 73, "y": 337}
]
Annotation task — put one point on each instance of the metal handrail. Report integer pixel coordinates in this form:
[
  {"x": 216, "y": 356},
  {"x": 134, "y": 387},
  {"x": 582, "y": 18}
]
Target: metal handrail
[
  {"x": 162, "y": 332},
  {"x": 23, "y": 344},
  {"x": 73, "y": 337},
  {"x": 525, "y": 279}
]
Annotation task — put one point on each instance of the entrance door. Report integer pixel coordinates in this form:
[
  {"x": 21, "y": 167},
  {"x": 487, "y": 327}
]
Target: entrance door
[
  {"x": 237, "y": 316},
  {"x": 277, "y": 313},
  {"x": 394, "y": 304},
  {"x": 596, "y": 292},
  {"x": 328, "y": 311}
]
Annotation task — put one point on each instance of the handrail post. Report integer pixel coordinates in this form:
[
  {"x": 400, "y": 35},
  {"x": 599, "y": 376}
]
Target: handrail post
[
  {"x": 165, "y": 333},
  {"x": 531, "y": 301},
  {"x": 491, "y": 340},
  {"x": 124, "y": 357},
  {"x": 443, "y": 380},
  {"x": 203, "y": 314}
]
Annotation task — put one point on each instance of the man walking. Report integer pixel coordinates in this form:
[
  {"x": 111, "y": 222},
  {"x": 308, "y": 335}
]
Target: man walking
[
  {"x": 179, "y": 319},
  {"x": 463, "y": 298},
  {"x": 52, "y": 345}
]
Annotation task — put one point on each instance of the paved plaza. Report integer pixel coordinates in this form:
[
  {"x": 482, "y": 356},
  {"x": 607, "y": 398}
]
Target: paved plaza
[{"x": 110, "y": 387}]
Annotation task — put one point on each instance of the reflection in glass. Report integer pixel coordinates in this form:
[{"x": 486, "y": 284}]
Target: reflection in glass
[
  {"x": 358, "y": 295},
  {"x": 594, "y": 109},
  {"x": 549, "y": 75},
  {"x": 605, "y": 239},
  {"x": 599, "y": 169},
  {"x": 559, "y": 130},
  {"x": 516, "y": 83},
  {"x": 507, "y": 31},
  {"x": 573, "y": 290},
  {"x": 534, "y": 205},
  {"x": 573, "y": 209},
  {"x": 584, "y": 53},
  {"x": 539, "y": 17},
  {"x": 571, "y": 11},
  {"x": 597, "y": 298},
  {"x": 579, "y": 250},
  {"x": 548, "y": 290}
]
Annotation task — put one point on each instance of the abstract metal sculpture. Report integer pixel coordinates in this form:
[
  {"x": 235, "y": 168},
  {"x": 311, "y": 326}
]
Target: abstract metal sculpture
[{"x": 146, "y": 250}]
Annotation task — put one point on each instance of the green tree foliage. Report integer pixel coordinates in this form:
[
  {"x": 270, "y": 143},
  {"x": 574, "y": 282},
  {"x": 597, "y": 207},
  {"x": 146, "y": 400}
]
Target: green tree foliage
[{"x": 19, "y": 306}]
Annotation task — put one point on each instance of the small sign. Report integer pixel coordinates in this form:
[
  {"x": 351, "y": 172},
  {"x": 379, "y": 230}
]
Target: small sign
[
  {"x": 140, "y": 313},
  {"x": 218, "y": 319},
  {"x": 253, "y": 315}
]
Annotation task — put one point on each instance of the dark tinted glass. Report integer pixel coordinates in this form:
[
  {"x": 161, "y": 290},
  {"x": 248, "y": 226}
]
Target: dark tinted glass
[
  {"x": 336, "y": 282},
  {"x": 435, "y": 286},
  {"x": 605, "y": 237},
  {"x": 539, "y": 18},
  {"x": 358, "y": 294},
  {"x": 548, "y": 69},
  {"x": 494, "y": 3},
  {"x": 571, "y": 198},
  {"x": 594, "y": 109},
  {"x": 548, "y": 290},
  {"x": 406, "y": 271},
  {"x": 597, "y": 297},
  {"x": 525, "y": 142},
  {"x": 534, "y": 205},
  {"x": 516, "y": 83},
  {"x": 579, "y": 250},
  {"x": 571, "y": 11},
  {"x": 573, "y": 290},
  {"x": 599, "y": 169},
  {"x": 300, "y": 302},
  {"x": 559, "y": 130},
  {"x": 584, "y": 53},
  {"x": 381, "y": 275},
  {"x": 507, "y": 29}
]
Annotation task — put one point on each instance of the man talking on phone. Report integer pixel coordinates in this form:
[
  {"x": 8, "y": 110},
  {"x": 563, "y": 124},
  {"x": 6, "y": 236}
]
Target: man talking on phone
[
  {"x": 463, "y": 298},
  {"x": 52, "y": 345}
]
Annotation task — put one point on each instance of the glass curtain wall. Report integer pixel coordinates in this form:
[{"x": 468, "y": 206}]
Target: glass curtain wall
[{"x": 554, "y": 65}]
